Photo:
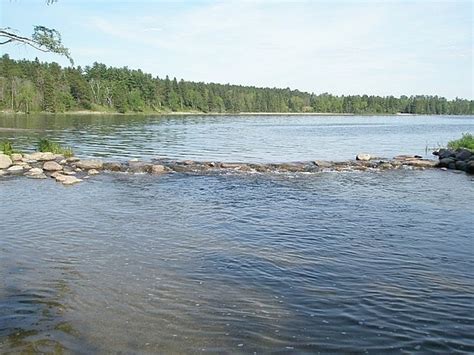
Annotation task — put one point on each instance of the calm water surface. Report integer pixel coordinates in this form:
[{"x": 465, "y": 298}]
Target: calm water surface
[
  {"x": 241, "y": 138},
  {"x": 238, "y": 263}
]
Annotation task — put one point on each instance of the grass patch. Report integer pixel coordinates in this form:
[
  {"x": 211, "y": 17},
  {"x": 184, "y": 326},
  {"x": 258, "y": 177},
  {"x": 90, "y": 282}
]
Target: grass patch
[
  {"x": 6, "y": 147},
  {"x": 466, "y": 141},
  {"x": 45, "y": 145}
]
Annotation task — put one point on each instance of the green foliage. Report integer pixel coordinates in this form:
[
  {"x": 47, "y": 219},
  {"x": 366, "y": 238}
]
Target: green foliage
[
  {"x": 45, "y": 145},
  {"x": 6, "y": 147},
  {"x": 31, "y": 85},
  {"x": 466, "y": 141},
  {"x": 50, "y": 40}
]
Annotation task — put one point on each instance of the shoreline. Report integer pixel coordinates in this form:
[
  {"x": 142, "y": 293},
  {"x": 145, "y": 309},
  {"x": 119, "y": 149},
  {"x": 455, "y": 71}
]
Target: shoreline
[{"x": 198, "y": 113}]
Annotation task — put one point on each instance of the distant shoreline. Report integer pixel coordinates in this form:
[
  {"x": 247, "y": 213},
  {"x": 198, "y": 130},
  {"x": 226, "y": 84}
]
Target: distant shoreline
[{"x": 197, "y": 113}]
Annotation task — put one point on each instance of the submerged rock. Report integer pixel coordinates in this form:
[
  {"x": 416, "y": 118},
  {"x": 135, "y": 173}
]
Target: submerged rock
[
  {"x": 5, "y": 161},
  {"x": 139, "y": 167},
  {"x": 35, "y": 171},
  {"x": 70, "y": 180},
  {"x": 322, "y": 164}
]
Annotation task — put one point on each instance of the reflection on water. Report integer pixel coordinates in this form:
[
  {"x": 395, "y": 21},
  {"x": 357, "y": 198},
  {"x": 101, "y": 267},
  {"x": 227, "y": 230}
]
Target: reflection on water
[
  {"x": 356, "y": 262},
  {"x": 239, "y": 138}
]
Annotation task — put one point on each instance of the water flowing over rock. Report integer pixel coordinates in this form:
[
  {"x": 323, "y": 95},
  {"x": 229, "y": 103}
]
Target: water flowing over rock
[{"x": 5, "y": 161}]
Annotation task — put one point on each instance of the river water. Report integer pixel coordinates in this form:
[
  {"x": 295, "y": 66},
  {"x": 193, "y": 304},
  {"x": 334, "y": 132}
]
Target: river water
[{"x": 239, "y": 263}]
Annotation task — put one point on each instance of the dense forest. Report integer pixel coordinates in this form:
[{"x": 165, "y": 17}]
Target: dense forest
[{"x": 32, "y": 86}]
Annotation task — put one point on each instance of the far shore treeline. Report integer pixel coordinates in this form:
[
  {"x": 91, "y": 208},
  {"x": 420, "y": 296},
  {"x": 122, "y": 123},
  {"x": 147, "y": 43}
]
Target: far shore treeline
[{"x": 32, "y": 86}]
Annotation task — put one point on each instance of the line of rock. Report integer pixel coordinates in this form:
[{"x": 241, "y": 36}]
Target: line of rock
[
  {"x": 72, "y": 170},
  {"x": 459, "y": 159}
]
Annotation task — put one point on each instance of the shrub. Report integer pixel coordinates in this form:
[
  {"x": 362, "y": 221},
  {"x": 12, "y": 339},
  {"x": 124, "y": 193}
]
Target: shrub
[
  {"x": 45, "y": 145},
  {"x": 466, "y": 141},
  {"x": 6, "y": 147}
]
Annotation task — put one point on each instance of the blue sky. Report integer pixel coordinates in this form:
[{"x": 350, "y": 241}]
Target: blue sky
[{"x": 341, "y": 47}]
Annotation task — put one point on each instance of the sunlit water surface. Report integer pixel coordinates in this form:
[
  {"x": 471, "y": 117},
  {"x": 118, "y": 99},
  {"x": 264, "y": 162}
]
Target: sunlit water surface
[
  {"x": 240, "y": 138},
  {"x": 291, "y": 263}
]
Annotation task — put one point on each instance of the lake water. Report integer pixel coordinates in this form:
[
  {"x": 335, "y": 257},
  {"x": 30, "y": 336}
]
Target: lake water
[
  {"x": 241, "y": 138},
  {"x": 239, "y": 263}
]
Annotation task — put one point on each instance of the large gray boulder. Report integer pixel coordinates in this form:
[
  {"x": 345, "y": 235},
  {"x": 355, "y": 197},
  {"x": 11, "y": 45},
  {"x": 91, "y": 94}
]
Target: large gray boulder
[
  {"x": 446, "y": 153},
  {"x": 470, "y": 167},
  {"x": 460, "y": 165},
  {"x": 445, "y": 162},
  {"x": 463, "y": 154},
  {"x": 5, "y": 161}
]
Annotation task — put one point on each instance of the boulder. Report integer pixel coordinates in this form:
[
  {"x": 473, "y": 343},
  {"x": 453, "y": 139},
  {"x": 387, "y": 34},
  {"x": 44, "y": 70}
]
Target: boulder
[
  {"x": 5, "y": 161},
  {"x": 36, "y": 176},
  {"x": 35, "y": 171},
  {"x": 470, "y": 167},
  {"x": 460, "y": 165},
  {"x": 446, "y": 153},
  {"x": 93, "y": 172},
  {"x": 70, "y": 180},
  {"x": 15, "y": 169},
  {"x": 363, "y": 157},
  {"x": 17, "y": 156},
  {"x": 113, "y": 166},
  {"x": 139, "y": 167},
  {"x": 158, "y": 169},
  {"x": 52, "y": 166},
  {"x": 90, "y": 164},
  {"x": 322, "y": 164},
  {"x": 41, "y": 156},
  {"x": 463, "y": 154},
  {"x": 422, "y": 163},
  {"x": 444, "y": 163}
]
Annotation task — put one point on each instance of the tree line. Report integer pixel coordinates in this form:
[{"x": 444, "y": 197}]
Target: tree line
[{"x": 34, "y": 86}]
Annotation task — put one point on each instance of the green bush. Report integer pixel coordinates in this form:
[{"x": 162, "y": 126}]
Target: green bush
[
  {"x": 45, "y": 145},
  {"x": 466, "y": 141},
  {"x": 6, "y": 147}
]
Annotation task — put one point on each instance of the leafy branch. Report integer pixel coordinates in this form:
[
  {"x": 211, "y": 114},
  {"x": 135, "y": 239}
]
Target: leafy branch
[{"x": 43, "y": 39}]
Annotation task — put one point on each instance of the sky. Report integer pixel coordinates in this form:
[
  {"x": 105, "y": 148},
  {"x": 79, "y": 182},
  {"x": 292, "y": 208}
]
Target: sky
[{"x": 341, "y": 47}]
